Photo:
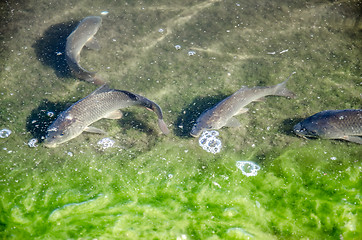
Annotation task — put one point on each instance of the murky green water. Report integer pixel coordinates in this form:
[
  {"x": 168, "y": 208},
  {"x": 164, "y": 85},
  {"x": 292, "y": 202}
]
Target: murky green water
[{"x": 151, "y": 186}]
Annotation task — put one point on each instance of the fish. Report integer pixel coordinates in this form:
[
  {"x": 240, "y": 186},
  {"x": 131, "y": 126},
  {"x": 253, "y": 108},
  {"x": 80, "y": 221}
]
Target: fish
[
  {"x": 332, "y": 124},
  {"x": 82, "y": 36},
  {"x": 102, "y": 103},
  {"x": 222, "y": 114}
]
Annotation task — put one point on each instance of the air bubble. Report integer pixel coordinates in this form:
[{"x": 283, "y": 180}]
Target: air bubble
[
  {"x": 4, "y": 133},
  {"x": 105, "y": 143},
  {"x": 32, "y": 142},
  {"x": 191, "y": 53},
  {"x": 209, "y": 142}
]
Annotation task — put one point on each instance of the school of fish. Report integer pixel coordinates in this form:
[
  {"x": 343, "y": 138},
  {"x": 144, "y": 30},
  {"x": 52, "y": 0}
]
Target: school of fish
[{"x": 105, "y": 102}]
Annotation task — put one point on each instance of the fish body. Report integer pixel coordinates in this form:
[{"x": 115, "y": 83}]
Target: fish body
[
  {"x": 223, "y": 113},
  {"x": 82, "y": 36},
  {"x": 333, "y": 124},
  {"x": 102, "y": 103}
]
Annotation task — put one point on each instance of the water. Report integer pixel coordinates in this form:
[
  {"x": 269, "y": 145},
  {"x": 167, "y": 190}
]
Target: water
[{"x": 168, "y": 187}]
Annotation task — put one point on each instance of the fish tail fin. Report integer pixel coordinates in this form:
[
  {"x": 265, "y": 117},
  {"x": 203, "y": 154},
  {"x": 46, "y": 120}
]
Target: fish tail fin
[
  {"x": 157, "y": 109},
  {"x": 281, "y": 89},
  {"x": 162, "y": 125}
]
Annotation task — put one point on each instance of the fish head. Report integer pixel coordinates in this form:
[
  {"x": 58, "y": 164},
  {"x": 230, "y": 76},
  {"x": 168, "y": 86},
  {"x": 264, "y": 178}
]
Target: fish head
[
  {"x": 61, "y": 130},
  {"x": 201, "y": 125},
  {"x": 308, "y": 129}
]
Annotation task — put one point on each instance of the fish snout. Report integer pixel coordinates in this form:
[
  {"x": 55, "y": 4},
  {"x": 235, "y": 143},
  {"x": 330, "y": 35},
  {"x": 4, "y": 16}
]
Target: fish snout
[
  {"x": 195, "y": 131},
  {"x": 297, "y": 128}
]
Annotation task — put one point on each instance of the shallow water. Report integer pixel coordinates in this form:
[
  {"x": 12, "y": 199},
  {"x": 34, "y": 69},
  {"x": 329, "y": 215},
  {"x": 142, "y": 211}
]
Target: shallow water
[{"x": 151, "y": 186}]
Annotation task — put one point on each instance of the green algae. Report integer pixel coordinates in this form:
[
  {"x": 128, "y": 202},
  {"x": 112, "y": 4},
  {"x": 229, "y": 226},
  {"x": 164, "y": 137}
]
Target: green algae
[{"x": 151, "y": 186}]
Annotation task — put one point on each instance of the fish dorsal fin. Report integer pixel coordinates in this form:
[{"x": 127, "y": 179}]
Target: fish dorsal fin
[
  {"x": 233, "y": 122},
  {"x": 94, "y": 130},
  {"x": 93, "y": 44},
  {"x": 117, "y": 114},
  {"x": 103, "y": 88}
]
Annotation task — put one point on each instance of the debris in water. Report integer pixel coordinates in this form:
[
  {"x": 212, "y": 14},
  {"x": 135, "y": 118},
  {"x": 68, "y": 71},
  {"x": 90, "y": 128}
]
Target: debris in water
[
  {"x": 209, "y": 142},
  {"x": 248, "y": 168},
  {"x": 4, "y": 133},
  {"x": 106, "y": 143},
  {"x": 33, "y": 142},
  {"x": 50, "y": 114}
]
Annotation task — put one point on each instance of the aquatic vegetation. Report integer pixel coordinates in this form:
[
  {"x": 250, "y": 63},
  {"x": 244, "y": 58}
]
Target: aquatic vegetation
[
  {"x": 4, "y": 133},
  {"x": 209, "y": 141},
  {"x": 248, "y": 168}
]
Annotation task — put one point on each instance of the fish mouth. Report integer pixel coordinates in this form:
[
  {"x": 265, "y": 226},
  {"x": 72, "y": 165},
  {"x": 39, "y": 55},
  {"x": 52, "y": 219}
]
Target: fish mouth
[
  {"x": 298, "y": 130},
  {"x": 48, "y": 144},
  {"x": 195, "y": 132}
]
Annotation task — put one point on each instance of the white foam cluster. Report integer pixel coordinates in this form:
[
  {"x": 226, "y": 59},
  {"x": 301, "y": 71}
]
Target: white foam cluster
[
  {"x": 32, "y": 142},
  {"x": 4, "y": 133},
  {"x": 248, "y": 168},
  {"x": 106, "y": 143},
  {"x": 209, "y": 141}
]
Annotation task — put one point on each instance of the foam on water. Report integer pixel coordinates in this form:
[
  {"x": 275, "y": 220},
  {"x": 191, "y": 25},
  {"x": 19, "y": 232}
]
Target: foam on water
[
  {"x": 4, "y": 133},
  {"x": 248, "y": 168},
  {"x": 32, "y": 142},
  {"x": 105, "y": 143},
  {"x": 209, "y": 142}
]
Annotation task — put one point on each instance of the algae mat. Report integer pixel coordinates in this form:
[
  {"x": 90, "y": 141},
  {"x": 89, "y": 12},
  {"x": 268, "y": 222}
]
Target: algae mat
[{"x": 186, "y": 56}]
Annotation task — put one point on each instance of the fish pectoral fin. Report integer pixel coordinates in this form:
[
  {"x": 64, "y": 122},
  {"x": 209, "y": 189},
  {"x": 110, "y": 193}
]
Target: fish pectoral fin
[
  {"x": 243, "y": 110},
  {"x": 233, "y": 122},
  {"x": 93, "y": 44},
  {"x": 94, "y": 130},
  {"x": 114, "y": 115},
  {"x": 355, "y": 139}
]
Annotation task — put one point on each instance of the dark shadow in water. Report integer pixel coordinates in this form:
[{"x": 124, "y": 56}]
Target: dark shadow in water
[
  {"x": 42, "y": 116},
  {"x": 191, "y": 112},
  {"x": 288, "y": 124},
  {"x": 133, "y": 120},
  {"x": 50, "y": 48}
]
